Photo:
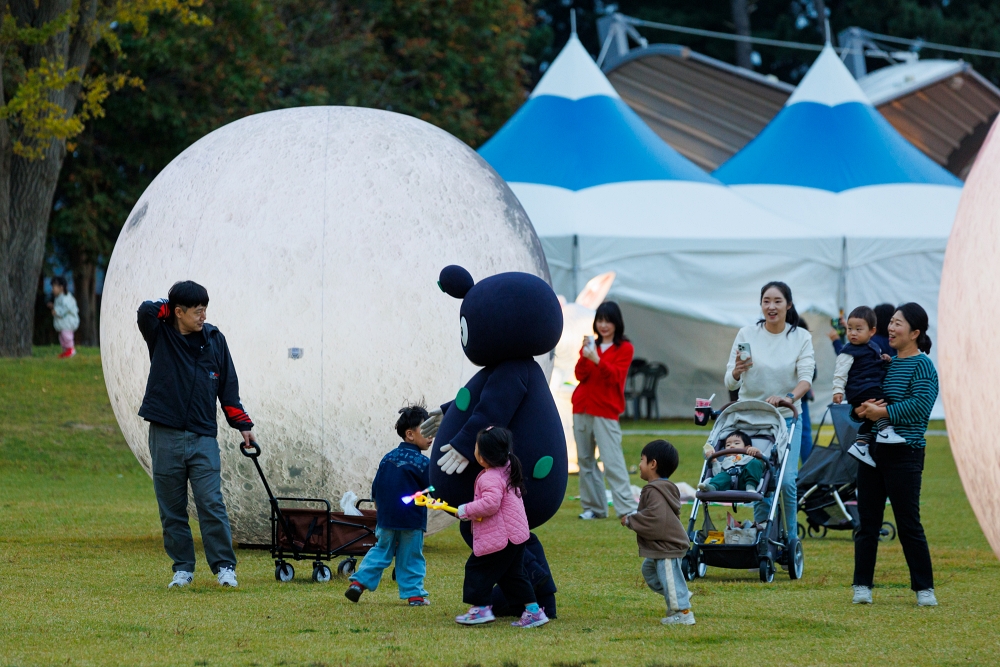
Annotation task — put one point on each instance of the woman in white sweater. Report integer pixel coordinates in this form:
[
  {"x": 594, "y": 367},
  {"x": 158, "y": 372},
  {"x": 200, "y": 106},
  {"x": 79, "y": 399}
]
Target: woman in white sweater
[{"x": 780, "y": 366}]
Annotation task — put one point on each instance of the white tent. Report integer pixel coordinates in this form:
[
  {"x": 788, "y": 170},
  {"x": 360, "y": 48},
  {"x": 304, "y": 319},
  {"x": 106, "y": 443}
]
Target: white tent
[
  {"x": 831, "y": 161},
  {"x": 605, "y": 193}
]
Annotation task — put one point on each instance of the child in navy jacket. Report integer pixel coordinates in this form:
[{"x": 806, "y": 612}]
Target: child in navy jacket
[{"x": 400, "y": 528}]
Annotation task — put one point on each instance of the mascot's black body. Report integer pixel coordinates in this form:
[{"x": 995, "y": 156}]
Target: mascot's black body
[{"x": 506, "y": 320}]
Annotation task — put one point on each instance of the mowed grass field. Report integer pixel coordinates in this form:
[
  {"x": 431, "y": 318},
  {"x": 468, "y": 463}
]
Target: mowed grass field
[{"x": 83, "y": 575}]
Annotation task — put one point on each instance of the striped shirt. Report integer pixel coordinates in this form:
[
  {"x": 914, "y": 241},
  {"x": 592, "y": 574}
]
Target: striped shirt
[{"x": 911, "y": 387}]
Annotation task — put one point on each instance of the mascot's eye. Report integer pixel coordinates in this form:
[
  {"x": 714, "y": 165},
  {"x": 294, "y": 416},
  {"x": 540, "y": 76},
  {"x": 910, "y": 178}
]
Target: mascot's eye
[{"x": 465, "y": 332}]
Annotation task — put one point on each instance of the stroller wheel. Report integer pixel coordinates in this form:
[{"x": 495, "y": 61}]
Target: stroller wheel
[
  {"x": 796, "y": 560},
  {"x": 766, "y": 570},
  {"x": 686, "y": 568},
  {"x": 800, "y": 530},
  {"x": 887, "y": 533},
  {"x": 321, "y": 573},
  {"x": 817, "y": 531},
  {"x": 346, "y": 567},
  {"x": 702, "y": 570},
  {"x": 284, "y": 572}
]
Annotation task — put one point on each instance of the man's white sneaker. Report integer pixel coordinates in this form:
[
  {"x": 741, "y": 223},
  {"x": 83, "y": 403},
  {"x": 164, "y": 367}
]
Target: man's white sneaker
[
  {"x": 926, "y": 598},
  {"x": 181, "y": 578},
  {"x": 227, "y": 577},
  {"x": 889, "y": 436},
  {"x": 680, "y": 618},
  {"x": 859, "y": 450},
  {"x": 862, "y": 595},
  {"x": 587, "y": 515}
]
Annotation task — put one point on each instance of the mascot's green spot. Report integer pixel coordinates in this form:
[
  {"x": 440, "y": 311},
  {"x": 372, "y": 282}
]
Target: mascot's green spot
[
  {"x": 542, "y": 468},
  {"x": 439, "y": 286},
  {"x": 462, "y": 400}
]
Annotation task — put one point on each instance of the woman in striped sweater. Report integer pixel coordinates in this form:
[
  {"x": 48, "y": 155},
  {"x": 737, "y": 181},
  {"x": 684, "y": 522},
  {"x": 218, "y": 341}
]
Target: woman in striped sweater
[{"x": 910, "y": 388}]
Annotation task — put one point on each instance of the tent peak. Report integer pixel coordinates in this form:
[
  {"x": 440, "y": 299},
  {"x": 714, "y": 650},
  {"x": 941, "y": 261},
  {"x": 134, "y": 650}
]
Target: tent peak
[
  {"x": 828, "y": 82},
  {"x": 574, "y": 75}
]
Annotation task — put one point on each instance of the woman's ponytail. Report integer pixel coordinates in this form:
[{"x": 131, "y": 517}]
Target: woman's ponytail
[{"x": 916, "y": 317}]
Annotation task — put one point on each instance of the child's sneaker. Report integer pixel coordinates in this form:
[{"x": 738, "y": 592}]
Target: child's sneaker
[
  {"x": 354, "y": 591},
  {"x": 705, "y": 486},
  {"x": 680, "y": 618},
  {"x": 227, "y": 577},
  {"x": 418, "y": 601},
  {"x": 476, "y": 615},
  {"x": 531, "y": 620},
  {"x": 859, "y": 450},
  {"x": 181, "y": 579},
  {"x": 889, "y": 436}
]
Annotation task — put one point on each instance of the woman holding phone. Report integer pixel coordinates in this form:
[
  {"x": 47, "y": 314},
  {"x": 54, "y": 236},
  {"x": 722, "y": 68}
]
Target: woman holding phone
[
  {"x": 770, "y": 361},
  {"x": 598, "y": 401}
]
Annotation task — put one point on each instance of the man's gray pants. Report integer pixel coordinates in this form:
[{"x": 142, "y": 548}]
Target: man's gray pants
[
  {"x": 665, "y": 576},
  {"x": 180, "y": 457}
]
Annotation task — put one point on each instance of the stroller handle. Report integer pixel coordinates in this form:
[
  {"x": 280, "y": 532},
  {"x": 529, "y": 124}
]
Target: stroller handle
[
  {"x": 785, "y": 403},
  {"x": 734, "y": 450},
  {"x": 251, "y": 450}
]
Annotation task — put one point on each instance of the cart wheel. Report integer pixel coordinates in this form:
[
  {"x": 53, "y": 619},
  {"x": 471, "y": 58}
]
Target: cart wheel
[
  {"x": 321, "y": 573},
  {"x": 284, "y": 572},
  {"x": 888, "y": 532},
  {"x": 394, "y": 574},
  {"x": 346, "y": 567},
  {"x": 800, "y": 530},
  {"x": 702, "y": 570},
  {"x": 817, "y": 531},
  {"x": 795, "y": 558},
  {"x": 766, "y": 570}
]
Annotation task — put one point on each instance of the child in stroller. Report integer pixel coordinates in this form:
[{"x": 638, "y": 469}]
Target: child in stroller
[{"x": 736, "y": 471}]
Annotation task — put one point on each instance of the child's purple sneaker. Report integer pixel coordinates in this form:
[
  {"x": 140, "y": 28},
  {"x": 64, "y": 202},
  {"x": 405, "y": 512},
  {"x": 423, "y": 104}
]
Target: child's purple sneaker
[
  {"x": 529, "y": 620},
  {"x": 476, "y": 615}
]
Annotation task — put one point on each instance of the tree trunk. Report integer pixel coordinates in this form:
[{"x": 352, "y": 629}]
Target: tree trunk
[
  {"x": 27, "y": 186},
  {"x": 85, "y": 282},
  {"x": 741, "y": 19}
]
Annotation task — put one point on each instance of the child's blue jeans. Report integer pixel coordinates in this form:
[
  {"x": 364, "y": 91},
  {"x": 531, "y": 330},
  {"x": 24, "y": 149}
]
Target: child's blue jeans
[{"x": 407, "y": 547}]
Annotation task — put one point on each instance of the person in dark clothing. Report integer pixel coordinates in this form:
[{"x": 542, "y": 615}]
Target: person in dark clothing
[
  {"x": 190, "y": 369},
  {"x": 401, "y": 525},
  {"x": 540, "y": 576},
  {"x": 857, "y": 377}
]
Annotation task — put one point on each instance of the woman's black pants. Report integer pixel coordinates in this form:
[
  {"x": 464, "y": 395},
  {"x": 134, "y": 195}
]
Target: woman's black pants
[
  {"x": 897, "y": 478},
  {"x": 504, "y": 568}
]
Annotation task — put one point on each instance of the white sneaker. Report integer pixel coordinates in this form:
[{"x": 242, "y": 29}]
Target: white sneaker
[
  {"x": 925, "y": 598},
  {"x": 227, "y": 577},
  {"x": 703, "y": 486},
  {"x": 587, "y": 515},
  {"x": 889, "y": 436},
  {"x": 181, "y": 578},
  {"x": 859, "y": 450},
  {"x": 862, "y": 595},
  {"x": 679, "y": 618}
]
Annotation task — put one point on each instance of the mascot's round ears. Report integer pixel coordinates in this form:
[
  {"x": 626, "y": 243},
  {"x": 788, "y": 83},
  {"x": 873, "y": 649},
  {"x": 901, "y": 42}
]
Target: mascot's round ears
[{"x": 455, "y": 281}]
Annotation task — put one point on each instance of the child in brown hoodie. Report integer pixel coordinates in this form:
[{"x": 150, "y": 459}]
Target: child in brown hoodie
[{"x": 659, "y": 532}]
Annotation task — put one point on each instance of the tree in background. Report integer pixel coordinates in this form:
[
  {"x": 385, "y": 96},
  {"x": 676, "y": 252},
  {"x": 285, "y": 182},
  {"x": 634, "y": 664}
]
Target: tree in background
[
  {"x": 46, "y": 99},
  {"x": 195, "y": 78}
]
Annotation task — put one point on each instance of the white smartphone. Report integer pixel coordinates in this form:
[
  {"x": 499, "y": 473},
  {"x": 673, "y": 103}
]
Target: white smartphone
[{"x": 743, "y": 351}]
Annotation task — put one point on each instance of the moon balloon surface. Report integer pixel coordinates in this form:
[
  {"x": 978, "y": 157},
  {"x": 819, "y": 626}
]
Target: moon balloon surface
[
  {"x": 969, "y": 323},
  {"x": 319, "y": 233}
]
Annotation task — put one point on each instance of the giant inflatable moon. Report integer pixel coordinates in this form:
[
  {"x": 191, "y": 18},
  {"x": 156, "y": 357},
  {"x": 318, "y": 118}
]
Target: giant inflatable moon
[
  {"x": 969, "y": 325},
  {"x": 319, "y": 233}
]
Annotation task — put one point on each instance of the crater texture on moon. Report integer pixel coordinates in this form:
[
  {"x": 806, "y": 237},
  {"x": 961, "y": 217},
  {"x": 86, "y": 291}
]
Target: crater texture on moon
[{"x": 319, "y": 233}]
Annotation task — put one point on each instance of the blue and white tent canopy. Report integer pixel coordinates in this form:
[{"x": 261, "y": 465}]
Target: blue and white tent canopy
[{"x": 605, "y": 193}]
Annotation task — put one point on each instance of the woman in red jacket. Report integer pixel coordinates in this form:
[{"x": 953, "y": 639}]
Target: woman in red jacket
[{"x": 597, "y": 402}]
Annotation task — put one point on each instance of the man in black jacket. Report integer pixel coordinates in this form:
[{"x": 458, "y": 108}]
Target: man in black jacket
[{"x": 190, "y": 368}]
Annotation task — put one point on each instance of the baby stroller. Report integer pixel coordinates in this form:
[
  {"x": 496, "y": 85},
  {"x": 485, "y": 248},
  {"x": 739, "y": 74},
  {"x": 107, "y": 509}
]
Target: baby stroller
[
  {"x": 311, "y": 531},
  {"x": 827, "y": 483},
  {"x": 771, "y": 544}
]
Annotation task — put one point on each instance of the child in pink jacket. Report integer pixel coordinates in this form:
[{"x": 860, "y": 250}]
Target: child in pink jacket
[{"x": 499, "y": 531}]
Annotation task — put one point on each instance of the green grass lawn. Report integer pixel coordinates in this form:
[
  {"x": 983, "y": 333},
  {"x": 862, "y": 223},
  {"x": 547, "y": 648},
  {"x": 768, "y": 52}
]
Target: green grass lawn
[{"x": 83, "y": 575}]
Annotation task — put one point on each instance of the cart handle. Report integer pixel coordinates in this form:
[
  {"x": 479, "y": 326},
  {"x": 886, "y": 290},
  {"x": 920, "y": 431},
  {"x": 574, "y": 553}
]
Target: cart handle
[
  {"x": 735, "y": 450},
  {"x": 251, "y": 450}
]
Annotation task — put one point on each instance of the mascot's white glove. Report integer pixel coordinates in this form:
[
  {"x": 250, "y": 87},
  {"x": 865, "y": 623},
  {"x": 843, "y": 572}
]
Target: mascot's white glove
[
  {"x": 452, "y": 461},
  {"x": 429, "y": 427}
]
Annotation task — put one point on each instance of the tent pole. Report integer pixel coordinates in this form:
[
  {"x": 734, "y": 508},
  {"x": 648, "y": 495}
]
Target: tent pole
[
  {"x": 576, "y": 265},
  {"x": 842, "y": 282}
]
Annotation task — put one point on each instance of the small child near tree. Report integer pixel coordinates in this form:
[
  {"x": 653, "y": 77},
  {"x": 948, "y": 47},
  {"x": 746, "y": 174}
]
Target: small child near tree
[
  {"x": 400, "y": 526},
  {"x": 857, "y": 377},
  {"x": 659, "y": 532},
  {"x": 65, "y": 316},
  {"x": 744, "y": 467}
]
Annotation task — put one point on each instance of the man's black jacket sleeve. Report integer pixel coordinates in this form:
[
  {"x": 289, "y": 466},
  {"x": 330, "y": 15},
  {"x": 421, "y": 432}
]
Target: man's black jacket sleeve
[{"x": 229, "y": 391}]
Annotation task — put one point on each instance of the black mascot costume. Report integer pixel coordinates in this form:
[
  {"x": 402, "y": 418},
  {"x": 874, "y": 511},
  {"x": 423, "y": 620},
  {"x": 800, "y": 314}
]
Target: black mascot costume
[{"x": 506, "y": 320}]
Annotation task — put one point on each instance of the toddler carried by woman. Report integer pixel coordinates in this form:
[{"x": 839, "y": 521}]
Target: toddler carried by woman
[{"x": 499, "y": 531}]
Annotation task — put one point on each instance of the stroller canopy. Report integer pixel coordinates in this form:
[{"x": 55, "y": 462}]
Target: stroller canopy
[{"x": 755, "y": 418}]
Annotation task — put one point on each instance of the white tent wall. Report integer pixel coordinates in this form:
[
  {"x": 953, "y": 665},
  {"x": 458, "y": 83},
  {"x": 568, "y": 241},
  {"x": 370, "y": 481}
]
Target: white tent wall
[{"x": 696, "y": 353}]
